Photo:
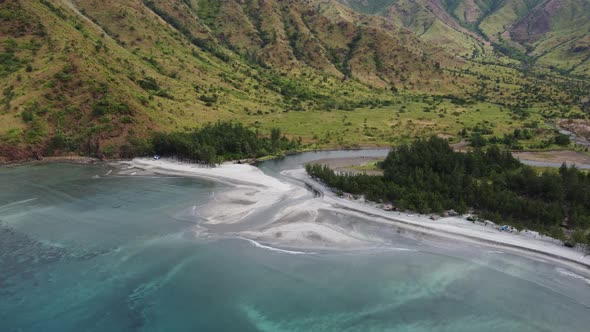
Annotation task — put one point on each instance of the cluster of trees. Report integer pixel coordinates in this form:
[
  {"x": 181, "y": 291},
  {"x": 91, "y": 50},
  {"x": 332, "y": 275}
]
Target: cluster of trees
[
  {"x": 220, "y": 141},
  {"x": 512, "y": 140},
  {"x": 428, "y": 176}
]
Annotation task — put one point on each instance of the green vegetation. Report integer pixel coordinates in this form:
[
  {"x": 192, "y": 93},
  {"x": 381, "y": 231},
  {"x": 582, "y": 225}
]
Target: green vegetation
[
  {"x": 533, "y": 138},
  {"x": 203, "y": 43},
  {"x": 105, "y": 75},
  {"x": 9, "y": 61},
  {"x": 533, "y": 35},
  {"x": 220, "y": 141},
  {"x": 369, "y": 7},
  {"x": 372, "y": 166},
  {"x": 36, "y": 132},
  {"x": 207, "y": 10},
  {"x": 106, "y": 106},
  {"x": 428, "y": 176}
]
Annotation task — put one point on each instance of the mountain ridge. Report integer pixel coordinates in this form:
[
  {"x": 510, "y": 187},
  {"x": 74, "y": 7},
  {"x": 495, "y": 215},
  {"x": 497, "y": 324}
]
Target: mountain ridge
[
  {"x": 96, "y": 78},
  {"x": 549, "y": 33}
]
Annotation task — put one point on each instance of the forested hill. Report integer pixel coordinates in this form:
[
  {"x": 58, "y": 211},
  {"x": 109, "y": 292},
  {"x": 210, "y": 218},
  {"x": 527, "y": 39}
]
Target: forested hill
[
  {"x": 87, "y": 77},
  {"x": 429, "y": 177}
]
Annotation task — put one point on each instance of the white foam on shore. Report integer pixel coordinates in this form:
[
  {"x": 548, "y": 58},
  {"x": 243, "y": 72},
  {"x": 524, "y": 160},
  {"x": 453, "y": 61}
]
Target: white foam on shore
[
  {"x": 571, "y": 274},
  {"x": 18, "y": 203},
  {"x": 256, "y": 244},
  {"x": 296, "y": 225},
  {"x": 401, "y": 249},
  {"x": 308, "y": 235}
]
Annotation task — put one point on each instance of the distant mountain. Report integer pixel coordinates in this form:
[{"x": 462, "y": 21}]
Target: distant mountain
[
  {"x": 96, "y": 77},
  {"x": 369, "y": 6},
  {"x": 551, "y": 33}
]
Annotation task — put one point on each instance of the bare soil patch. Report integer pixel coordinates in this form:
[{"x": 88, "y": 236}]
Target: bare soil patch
[
  {"x": 346, "y": 165},
  {"x": 569, "y": 157}
]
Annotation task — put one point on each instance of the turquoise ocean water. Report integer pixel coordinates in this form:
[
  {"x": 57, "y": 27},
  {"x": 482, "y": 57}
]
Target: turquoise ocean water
[{"x": 81, "y": 253}]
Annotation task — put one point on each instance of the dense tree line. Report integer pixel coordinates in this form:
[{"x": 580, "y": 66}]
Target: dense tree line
[
  {"x": 220, "y": 141},
  {"x": 428, "y": 176}
]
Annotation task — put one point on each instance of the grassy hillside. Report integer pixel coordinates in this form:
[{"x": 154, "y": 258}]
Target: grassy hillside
[
  {"x": 552, "y": 34},
  {"x": 369, "y": 7},
  {"x": 96, "y": 78},
  {"x": 558, "y": 35}
]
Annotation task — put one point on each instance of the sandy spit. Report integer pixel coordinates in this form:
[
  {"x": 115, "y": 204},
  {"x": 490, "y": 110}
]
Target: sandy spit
[
  {"x": 456, "y": 229},
  {"x": 251, "y": 189},
  {"x": 297, "y": 219}
]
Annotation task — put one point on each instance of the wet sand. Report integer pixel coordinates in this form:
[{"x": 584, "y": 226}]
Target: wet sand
[
  {"x": 555, "y": 157},
  {"x": 283, "y": 214}
]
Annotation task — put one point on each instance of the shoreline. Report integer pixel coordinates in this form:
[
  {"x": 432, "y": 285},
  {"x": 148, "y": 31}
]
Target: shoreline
[
  {"x": 81, "y": 160},
  {"x": 305, "y": 223},
  {"x": 55, "y": 160},
  {"x": 553, "y": 158},
  {"x": 550, "y": 161},
  {"x": 462, "y": 230},
  {"x": 250, "y": 189}
]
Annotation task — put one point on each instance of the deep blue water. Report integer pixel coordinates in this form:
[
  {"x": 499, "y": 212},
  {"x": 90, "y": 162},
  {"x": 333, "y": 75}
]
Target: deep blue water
[{"x": 79, "y": 253}]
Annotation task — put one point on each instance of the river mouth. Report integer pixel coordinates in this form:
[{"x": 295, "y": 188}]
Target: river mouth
[
  {"x": 554, "y": 158},
  {"x": 274, "y": 207},
  {"x": 85, "y": 250}
]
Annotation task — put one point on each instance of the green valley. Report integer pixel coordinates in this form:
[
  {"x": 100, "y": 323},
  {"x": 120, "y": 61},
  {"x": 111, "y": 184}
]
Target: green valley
[{"x": 92, "y": 78}]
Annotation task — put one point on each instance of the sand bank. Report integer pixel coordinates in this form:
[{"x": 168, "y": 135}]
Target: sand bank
[
  {"x": 454, "y": 228},
  {"x": 295, "y": 218},
  {"x": 554, "y": 158},
  {"x": 251, "y": 190}
]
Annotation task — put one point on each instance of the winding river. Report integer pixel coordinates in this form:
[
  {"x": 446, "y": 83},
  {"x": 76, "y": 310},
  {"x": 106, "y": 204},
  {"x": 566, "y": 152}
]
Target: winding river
[{"x": 83, "y": 248}]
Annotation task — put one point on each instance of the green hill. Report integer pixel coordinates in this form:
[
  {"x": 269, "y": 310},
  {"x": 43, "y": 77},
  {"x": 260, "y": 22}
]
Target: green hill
[
  {"x": 552, "y": 34},
  {"x": 369, "y": 7},
  {"x": 98, "y": 77}
]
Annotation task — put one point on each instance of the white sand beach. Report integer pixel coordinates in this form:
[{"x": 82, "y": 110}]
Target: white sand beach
[
  {"x": 251, "y": 188},
  {"x": 299, "y": 219}
]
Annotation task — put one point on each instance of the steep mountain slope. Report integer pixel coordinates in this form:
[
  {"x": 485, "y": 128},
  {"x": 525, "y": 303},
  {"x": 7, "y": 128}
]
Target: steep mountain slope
[
  {"x": 557, "y": 33},
  {"x": 96, "y": 77},
  {"x": 76, "y": 82},
  {"x": 434, "y": 25},
  {"x": 319, "y": 34},
  {"x": 550, "y": 33},
  {"x": 88, "y": 76},
  {"x": 369, "y": 7}
]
